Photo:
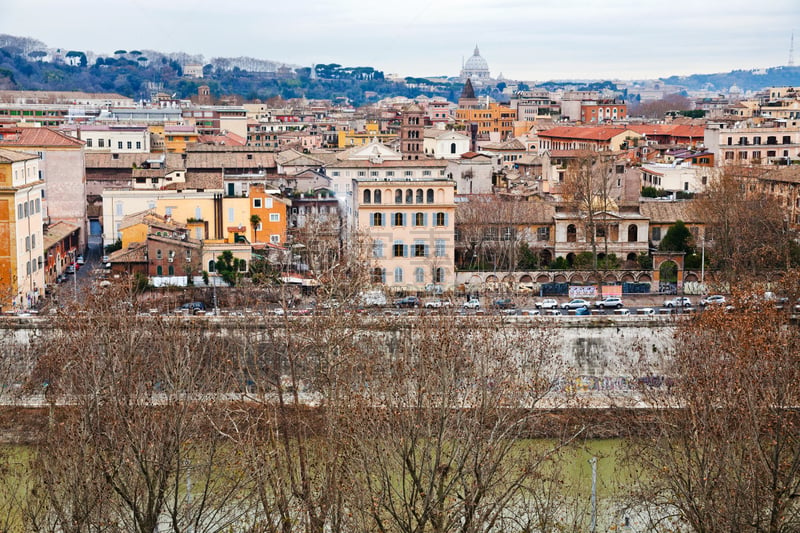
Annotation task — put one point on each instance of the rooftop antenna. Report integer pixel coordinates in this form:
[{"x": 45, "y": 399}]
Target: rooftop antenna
[{"x": 791, "y": 51}]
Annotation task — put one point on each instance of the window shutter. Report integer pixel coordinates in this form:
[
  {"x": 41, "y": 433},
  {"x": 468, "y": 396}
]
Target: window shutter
[
  {"x": 405, "y": 220},
  {"x": 425, "y": 250},
  {"x": 445, "y": 219},
  {"x": 405, "y": 250},
  {"x": 393, "y": 220},
  {"x": 372, "y": 219},
  {"x": 425, "y": 219}
]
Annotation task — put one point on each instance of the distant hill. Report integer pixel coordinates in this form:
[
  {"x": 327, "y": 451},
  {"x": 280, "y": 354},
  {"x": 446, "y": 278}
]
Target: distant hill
[
  {"x": 747, "y": 80},
  {"x": 28, "y": 64}
]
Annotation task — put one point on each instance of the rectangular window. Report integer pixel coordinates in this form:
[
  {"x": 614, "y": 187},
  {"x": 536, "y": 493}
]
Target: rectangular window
[
  {"x": 408, "y": 173},
  {"x": 88, "y": 143},
  {"x": 19, "y": 212},
  {"x": 439, "y": 248},
  {"x": 130, "y": 145},
  {"x": 275, "y": 239},
  {"x": 33, "y": 241},
  {"x": 101, "y": 143},
  {"x": 256, "y": 203},
  {"x": 390, "y": 173},
  {"x": 27, "y": 243},
  {"x": 138, "y": 145},
  {"x": 656, "y": 234},
  {"x": 230, "y": 214},
  {"x": 419, "y": 249},
  {"x": 543, "y": 234},
  {"x": 426, "y": 172},
  {"x": 119, "y": 145},
  {"x": 398, "y": 249},
  {"x": 274, "y": 217}
]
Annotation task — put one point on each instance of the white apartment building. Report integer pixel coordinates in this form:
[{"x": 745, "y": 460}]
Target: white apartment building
[{"x": 116, "y": 139}]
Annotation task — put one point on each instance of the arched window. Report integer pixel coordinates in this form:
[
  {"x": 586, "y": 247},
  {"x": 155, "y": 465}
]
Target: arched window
[
  {"x": 572, "y": 233},
  {"x": 212, "y": 266},
  {"x": 452, "y": 148},
  {"x": 398, "y": 196},
  {"x": 429, "y": 196},
  {"x": 377, "y": 196},
  {"x": 398, "y": 275},
  {"x": 633, "y": 233},
  {"x": 438, "y": 275},
  {"x": 419, "y": 275},
  {"x": 159, "y": 270},
  {"x": 409, "y": 196},
  {"x": 419, "y": 196},
  {"x": 171, "y": 270},
  {"x": 367, "y": 196}
]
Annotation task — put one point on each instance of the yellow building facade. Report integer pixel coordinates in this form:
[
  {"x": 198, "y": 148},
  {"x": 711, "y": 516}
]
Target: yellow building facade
[
  {"x": 350, "y": 138},
  {"x": 495, "y": 118}
]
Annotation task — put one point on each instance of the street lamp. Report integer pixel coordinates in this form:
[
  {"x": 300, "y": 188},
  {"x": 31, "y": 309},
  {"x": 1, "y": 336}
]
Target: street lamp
[{"x": 702, "y": 260}]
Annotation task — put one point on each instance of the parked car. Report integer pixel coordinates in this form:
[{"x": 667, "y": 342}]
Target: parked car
[
  {"x": 547, "y": 303},
  {"x": 678, "y": 301},
  {"x": 610, "y": 302},
  {"x": 504, "y": 303},
  {"x": 436, "y": 304},
  {"x": 70, "y": 269},
  {"x": 472, "y": 303},
  {"x": 408, "y": 301},
  {"x": 582, "y": 311},
  {"x": 575, "y": 303},
  {"x": 194, "y": 307},
  {"x": 80, "y": 260},
  {"x": 714, "y": 299}
]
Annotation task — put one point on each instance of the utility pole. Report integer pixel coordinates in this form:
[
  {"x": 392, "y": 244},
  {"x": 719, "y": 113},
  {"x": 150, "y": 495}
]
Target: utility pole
[{"x": 593, "y": 524}]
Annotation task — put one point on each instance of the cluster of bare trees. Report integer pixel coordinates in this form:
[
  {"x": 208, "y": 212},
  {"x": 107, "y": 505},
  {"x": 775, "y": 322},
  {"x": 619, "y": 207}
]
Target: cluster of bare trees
[
  {"x": 720, "y": 451},
  {"x": 747, "y": 233},
  {"x": 333, "y": 422}
]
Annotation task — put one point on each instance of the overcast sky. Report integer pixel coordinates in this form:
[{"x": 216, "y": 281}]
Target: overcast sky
[{"x": 532, "y": 40}]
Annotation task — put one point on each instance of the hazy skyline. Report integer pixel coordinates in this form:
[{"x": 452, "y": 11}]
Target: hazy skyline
[{"x": 524, "y": 39}]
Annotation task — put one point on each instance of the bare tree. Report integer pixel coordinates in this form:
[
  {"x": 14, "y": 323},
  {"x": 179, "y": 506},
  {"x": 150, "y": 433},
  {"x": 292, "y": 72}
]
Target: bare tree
[
  {"x": 722, "y": 450},
  {"x": 436, "y": 438},
  {"x": 138, "y": 393},
  {"x": 746, "y": 230},
  {"x": 588, "y": 189}
]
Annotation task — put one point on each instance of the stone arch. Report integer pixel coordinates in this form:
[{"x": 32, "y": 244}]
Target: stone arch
[
  {"x": 491, "y": 278},
  {"x": 542, "y": 278},
  {"x": 545, "y": 257},
  {"x": 668, "y": 272},
  {"x": 576, "y": 279},
  {"x": 592, "y": 279},
  {"x": 572, "y": 233},
  {"x": 525, "y": 278},
  {"x": 628, "y": 278},
  {"x": 691, "y": 276},
  {"x": 631, "y": 257},
  {"x": 645, "y": 278},
  {"x": 610, "y": 278},
  {"x": 570, "y": 258},
  {"x": 560, "y": 278}
]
